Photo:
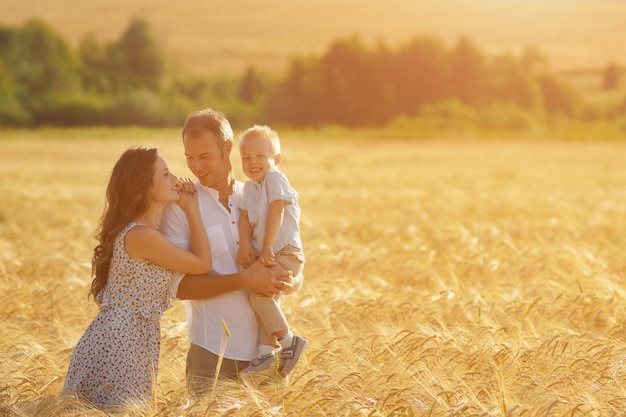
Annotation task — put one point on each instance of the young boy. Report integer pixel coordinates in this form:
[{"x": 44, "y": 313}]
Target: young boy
[{"x": 269, "y": 230}]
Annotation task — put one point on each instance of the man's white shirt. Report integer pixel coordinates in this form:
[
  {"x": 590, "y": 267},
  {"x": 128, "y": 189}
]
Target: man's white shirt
[{"x": 205, "y": 317}]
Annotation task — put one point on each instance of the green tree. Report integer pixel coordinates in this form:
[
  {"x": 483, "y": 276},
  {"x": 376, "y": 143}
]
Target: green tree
[
  {"x": 558, "y": 97},
  {"x": 12, "y": 113},
  {"x": 136, "y": 60},
  {"x": 611, "y": 77},
  {"x": 299, "y": 98},
  {"x": 42, "y": 65},
  {"x": 468, "y": 73},
  {"x": 41, "y": 69},
  {"x": 355, "y": 89},
  {"x": 510, "y": 82},
  {"x": 343, "y": 68},
  {"x": 419, "y": 74},
  {"x": 534, "y": 62},
  {"x": 251, "y": 86},
  {"x": 94, "y": 65}
]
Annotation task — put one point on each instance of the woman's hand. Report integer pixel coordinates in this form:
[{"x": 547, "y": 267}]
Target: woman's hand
[{"x": 187, "y": 195}]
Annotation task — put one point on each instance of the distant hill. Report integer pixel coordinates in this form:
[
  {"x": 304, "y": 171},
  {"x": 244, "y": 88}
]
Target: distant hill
[{"x": 209, "y": 36}]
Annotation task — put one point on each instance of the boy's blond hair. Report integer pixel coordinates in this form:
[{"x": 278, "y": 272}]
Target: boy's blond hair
[{"x": 264, "y": 132}]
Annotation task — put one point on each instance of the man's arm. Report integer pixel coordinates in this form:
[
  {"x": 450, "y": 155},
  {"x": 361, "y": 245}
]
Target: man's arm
[{"x": 256, "y": 278}]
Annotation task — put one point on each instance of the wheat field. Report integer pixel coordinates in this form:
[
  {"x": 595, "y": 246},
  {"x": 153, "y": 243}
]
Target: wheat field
[{"x": 443, "y": 277}]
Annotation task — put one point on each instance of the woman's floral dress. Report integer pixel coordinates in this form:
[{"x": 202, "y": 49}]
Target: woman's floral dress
[{"x": 115, "y": 362}]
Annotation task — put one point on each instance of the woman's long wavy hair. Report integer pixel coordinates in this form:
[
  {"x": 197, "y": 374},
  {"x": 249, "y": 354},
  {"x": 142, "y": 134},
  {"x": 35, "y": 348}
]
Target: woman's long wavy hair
[{"x": 127, "y": 196}]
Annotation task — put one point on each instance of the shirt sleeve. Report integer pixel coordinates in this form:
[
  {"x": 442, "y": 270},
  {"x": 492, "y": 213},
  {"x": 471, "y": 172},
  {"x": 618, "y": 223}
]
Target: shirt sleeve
[
  {"x": 242, "y": 204},
  {"x": 178, "y": 277},
  {"x": 174, "y": 225},
  {"x": 278, "y": 188},
  {"x": 176, "y": 229}
]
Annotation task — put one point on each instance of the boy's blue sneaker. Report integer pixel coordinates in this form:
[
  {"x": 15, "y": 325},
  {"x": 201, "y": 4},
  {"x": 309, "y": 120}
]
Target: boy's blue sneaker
[
  {"x": 260, "y": 364},
  {"x": 289, "y": 356}
]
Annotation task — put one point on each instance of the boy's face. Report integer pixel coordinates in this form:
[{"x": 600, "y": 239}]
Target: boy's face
[{"x": 257, "y": 158}]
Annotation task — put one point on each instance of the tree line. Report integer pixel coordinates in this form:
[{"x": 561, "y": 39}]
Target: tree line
[{"x": 130, "y": 81}]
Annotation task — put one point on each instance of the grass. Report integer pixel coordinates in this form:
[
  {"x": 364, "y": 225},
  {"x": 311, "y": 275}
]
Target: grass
[{"x": 443, "y": 277}]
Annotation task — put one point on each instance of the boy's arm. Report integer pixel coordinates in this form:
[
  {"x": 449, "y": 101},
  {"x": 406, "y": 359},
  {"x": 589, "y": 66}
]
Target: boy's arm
[
  {"x": 245, "y": 228},
  {"x": 245, "y": 255},
  {"x": 275, "y": 216}
]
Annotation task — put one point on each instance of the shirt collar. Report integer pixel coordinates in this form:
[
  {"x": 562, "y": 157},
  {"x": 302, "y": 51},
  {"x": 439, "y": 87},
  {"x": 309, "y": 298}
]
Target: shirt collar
[
  {"x": 237, "y": 189},
  {"x": 210, "y": 191}
]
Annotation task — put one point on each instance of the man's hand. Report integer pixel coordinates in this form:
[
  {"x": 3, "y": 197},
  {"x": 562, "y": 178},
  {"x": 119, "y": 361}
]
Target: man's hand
[
  {"x": 296, "y": 284},
  {"x": 268, "y": 282}
]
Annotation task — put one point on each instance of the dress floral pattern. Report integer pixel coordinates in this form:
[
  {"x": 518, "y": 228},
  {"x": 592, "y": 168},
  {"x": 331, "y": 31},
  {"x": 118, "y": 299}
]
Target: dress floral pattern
[{"x": 116, "y": 360}]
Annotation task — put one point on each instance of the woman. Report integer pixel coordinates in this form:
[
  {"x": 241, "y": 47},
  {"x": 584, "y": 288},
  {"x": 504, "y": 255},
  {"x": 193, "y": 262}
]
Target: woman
[{"x": 115, "y": 362}]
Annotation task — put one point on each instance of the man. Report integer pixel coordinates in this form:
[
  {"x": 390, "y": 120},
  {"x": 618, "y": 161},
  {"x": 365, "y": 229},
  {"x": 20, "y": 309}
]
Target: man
[{"x": 223, "y": 317}]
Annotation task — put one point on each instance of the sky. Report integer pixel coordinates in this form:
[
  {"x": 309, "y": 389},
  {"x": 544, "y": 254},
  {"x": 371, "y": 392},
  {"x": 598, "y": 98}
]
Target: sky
[{"x": 209, "y": 34}]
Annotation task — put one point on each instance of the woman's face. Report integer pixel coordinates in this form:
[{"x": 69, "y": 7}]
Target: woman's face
[{"x": 163, "y": 189}]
